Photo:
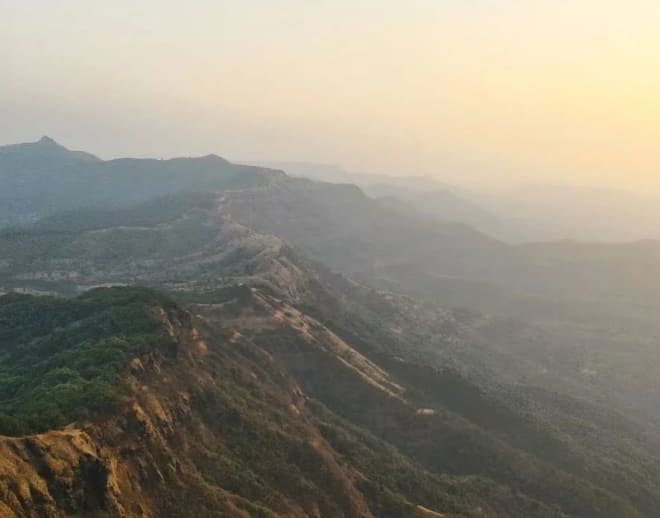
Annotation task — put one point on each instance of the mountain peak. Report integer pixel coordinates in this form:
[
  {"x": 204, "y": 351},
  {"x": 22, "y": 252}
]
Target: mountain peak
[
  {"x": 46, "y": 140},
  {"x": 47, "y": 146},
  {"x": 215, "y": 158}
]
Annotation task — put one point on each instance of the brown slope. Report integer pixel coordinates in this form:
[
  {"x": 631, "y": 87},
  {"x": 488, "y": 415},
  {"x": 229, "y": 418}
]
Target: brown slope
[
  {"x": 214, "y": 425},
  {"x": 165, "y": 455}
]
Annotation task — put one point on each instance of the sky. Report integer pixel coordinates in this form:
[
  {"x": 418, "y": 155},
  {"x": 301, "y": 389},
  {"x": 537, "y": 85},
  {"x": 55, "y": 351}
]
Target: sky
[{"x": 472, "y": 91}]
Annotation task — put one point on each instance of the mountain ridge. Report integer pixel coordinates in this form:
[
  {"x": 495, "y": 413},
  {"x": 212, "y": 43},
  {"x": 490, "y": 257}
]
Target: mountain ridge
[
  {"x": 202, "y": 413},
  {"x": 43, "y": 178},
  {"x": 320, "y": 287}
]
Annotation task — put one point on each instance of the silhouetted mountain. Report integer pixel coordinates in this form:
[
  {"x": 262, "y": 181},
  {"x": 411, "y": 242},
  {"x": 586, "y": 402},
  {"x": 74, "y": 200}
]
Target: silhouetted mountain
[
  {"x": 42, "y": 152},
  {"x": 44, "y": 177}
]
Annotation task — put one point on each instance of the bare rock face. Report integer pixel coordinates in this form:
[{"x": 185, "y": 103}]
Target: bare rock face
[{"x": 58, "y": 473}]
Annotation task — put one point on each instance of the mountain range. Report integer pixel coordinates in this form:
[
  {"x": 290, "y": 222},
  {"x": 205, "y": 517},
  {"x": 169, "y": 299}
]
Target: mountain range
[
  {"x": 44, "y": 177},
  {"x": 191, "y": 337},
  {"x": 523, "y": 213}
]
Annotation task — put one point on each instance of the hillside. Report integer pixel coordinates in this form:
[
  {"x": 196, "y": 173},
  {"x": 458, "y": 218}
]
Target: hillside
[
  {"x": 358, "y": 236},
  {"x": 204, "y": 423},
  {"x": 61, "y": 358}
]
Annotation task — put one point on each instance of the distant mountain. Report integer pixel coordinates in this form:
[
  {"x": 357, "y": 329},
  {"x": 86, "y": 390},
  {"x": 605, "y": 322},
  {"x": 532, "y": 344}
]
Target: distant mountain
[
  {"x": 423, "y": 193},
  {"x": 337, "y": 174},
  {"x": 547, "y": 212},
  {"x": 378, "y": 240},
  {"x": 340, "y": 226},
  {"x": 528, "y": 213},
  {"x": 43, "y": 152},
  {"x": 314, "y": 171},
  {"x": 441, "y": 203},
  {"x": 44, "y": 177}
]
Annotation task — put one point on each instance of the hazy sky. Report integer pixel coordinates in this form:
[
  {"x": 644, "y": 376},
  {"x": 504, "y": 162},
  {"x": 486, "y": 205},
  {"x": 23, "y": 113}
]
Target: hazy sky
[{"x": 540, "y": 90}]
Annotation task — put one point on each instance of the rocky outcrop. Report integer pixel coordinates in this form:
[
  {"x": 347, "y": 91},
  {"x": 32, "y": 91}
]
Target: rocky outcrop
[{"x": 55, "y": 474}]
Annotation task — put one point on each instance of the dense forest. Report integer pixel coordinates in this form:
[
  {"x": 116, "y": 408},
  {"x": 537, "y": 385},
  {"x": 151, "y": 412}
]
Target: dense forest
[{"x": 61, "y": 359}]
